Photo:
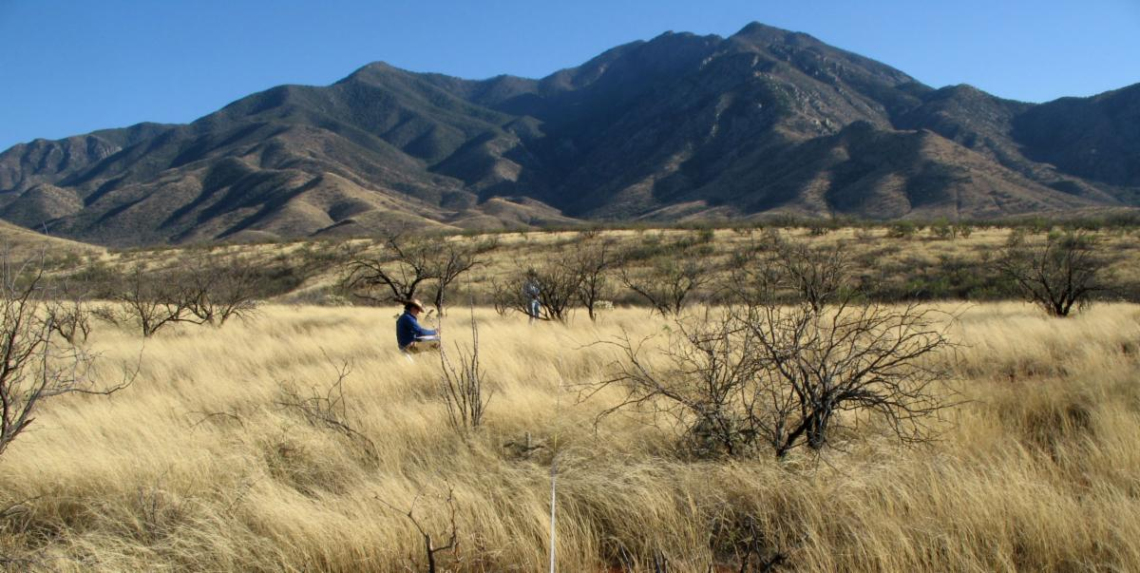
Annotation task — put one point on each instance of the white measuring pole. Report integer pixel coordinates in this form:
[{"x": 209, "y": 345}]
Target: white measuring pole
[{"x": 553, "y": 490}]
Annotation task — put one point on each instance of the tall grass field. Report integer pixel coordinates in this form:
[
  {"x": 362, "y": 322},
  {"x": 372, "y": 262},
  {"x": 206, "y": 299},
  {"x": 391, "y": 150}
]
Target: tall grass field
[{"x": 207, "y": 463}]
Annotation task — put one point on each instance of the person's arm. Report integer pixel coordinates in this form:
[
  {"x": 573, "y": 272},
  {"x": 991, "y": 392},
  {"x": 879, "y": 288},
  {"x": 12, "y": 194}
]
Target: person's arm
[{"x": 421, "y": 331}]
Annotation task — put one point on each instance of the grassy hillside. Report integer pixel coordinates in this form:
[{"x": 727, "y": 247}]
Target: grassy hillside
[
  {"x": 200, "y": 466},
  {"x": 21, "y": 243}
]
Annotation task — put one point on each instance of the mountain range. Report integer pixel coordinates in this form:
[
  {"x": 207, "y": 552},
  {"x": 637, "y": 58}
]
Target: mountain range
[{"x": 680, "y": 127}]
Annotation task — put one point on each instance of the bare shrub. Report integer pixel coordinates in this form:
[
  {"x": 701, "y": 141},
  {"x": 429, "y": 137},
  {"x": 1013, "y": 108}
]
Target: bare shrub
[
  {"x": 217, "y": 289},
  {"x": 780, "y": 268},
  {"x": 71, "y": 320},
  {"x": 429, "y": 539},
  {"x": 817, "y": 274},
  {"x": 410, "y": 262},
  {"x": 504, "y": 298},
  {"x": 208, "y": 289},
  {"x": 34, "y": 366},
  {"x": 592, "y": 263},
  {"x": 327, "y": 408},
  {"x": 868, "y": 358},
  {"x": 451, "y": 259},
  {"x": 668, "y": 284},
  {"x": 405, "y": 265},
  {"x": 155, "y": 299},
  {"x": 787, "y": 376},
  {"x": 69, "y": 312},
  {"x": 699, "y": 389},
  {"x": 463, "y": 386},
  {"x": 784, "y": 375},
  {"x": 1063, "y": 272}
]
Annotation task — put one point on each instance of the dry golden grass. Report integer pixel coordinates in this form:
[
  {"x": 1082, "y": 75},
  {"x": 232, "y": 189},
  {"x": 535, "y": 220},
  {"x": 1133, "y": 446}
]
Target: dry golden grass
[
  {"x": 197, "y": 467},
  {"x": 19, "y": 243}
]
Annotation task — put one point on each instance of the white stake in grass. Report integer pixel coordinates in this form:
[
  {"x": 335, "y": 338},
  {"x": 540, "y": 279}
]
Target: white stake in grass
[{"x": 553, "y": 490}]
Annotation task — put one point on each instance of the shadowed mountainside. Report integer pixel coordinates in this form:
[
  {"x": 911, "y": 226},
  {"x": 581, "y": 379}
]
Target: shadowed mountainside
[{"x": 678, "y": 127}]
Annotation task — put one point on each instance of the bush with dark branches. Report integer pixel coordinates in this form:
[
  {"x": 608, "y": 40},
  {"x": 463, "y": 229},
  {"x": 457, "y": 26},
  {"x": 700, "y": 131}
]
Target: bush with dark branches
[
  {"x": 593, "y": 262},
  {"x": 70, "y": 312},
  {"x": 464, "y": 388},
  {"x": 398, "y": 273},
  {"x": 784, "y": 375},
  {"x": 217, "y": 289},
  {"x": 34, "y": 367},
  {"x": 327, "y": 408},
  {"x": 409, "y": 262},
  {"x": 450, "y": 260},
  {"x": 787, "y": 376},
  {"x": 785, "y": 268},
  {"x": 1063, "y": 272},
  {"x": 154, "y": 299},
  {"x": 668, "y": 285}
]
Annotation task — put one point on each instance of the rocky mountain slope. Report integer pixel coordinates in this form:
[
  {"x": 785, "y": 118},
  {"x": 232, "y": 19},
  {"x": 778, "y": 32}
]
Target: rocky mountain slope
[{"x": 678, "y": 127}]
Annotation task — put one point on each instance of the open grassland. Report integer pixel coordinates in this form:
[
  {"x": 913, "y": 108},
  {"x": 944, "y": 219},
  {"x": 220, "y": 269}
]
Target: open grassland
[{"x": 199, "y": 466}]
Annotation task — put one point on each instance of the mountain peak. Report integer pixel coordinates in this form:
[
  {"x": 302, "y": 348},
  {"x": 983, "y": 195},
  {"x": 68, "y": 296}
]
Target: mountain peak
[
  {"x": 763, "y": 33},
  {"x": 371, "y": 70}
]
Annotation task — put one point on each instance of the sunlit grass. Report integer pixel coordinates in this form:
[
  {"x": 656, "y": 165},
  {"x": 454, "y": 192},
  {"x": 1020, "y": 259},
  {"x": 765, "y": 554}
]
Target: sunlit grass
[{"x": 197, "y": 466}]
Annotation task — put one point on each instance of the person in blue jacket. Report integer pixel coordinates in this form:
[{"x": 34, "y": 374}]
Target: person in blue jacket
[{"x": 410, "y": 336}]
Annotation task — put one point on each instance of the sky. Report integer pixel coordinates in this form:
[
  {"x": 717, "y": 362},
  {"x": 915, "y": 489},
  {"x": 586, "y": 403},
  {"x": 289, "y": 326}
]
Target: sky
[{"x": 69, "y": 67}]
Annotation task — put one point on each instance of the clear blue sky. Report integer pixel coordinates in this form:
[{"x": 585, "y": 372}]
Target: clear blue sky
[{"x": 72, "y": 66}]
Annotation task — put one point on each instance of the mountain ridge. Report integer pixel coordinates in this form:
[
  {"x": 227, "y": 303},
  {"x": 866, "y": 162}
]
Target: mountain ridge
[{"x": 678, "y": 127}]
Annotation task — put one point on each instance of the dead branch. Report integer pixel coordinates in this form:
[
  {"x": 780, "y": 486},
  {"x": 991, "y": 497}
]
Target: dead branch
[
  {"x": 328, "y": 408},
  {"x": 452, "y": 534}
]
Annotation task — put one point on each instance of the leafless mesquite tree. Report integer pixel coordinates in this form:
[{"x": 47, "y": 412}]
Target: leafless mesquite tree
[
  {"x": 593, "y": 263},
  {"x": 409, "y": 262},
  {"x": 405, "y": 265},
  {"x": 155, "y": 299},
  {"x": 217, "y": 289},
  {"x": 557, "y": 288},
  {"x": 668, "y": 284},
  {"x": 206, "y": 290},
  {"x": 852, "y": 358},
  {"x": 450, "y": 260},
  {"x": 34, "y": 367},
  {"x": 787, "y": 375},
  {"x": 779, "y": 267},
  {"x": 698, "y": 390},
  {"x": 817, "y": 274},
  {"x": 556, "y": 280},
  {"x": 504, "y": 297},
  {"x": 70, "y": 313},
  {"x": 1063, "y": 272}
]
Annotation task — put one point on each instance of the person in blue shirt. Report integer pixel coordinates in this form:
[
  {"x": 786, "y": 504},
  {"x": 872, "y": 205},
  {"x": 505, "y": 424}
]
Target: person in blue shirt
[{"x": 410, "y": 336}]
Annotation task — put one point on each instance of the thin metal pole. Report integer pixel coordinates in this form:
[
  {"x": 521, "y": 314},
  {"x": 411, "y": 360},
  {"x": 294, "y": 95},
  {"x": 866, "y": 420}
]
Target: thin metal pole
[{"x": 553, "y": 491}]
